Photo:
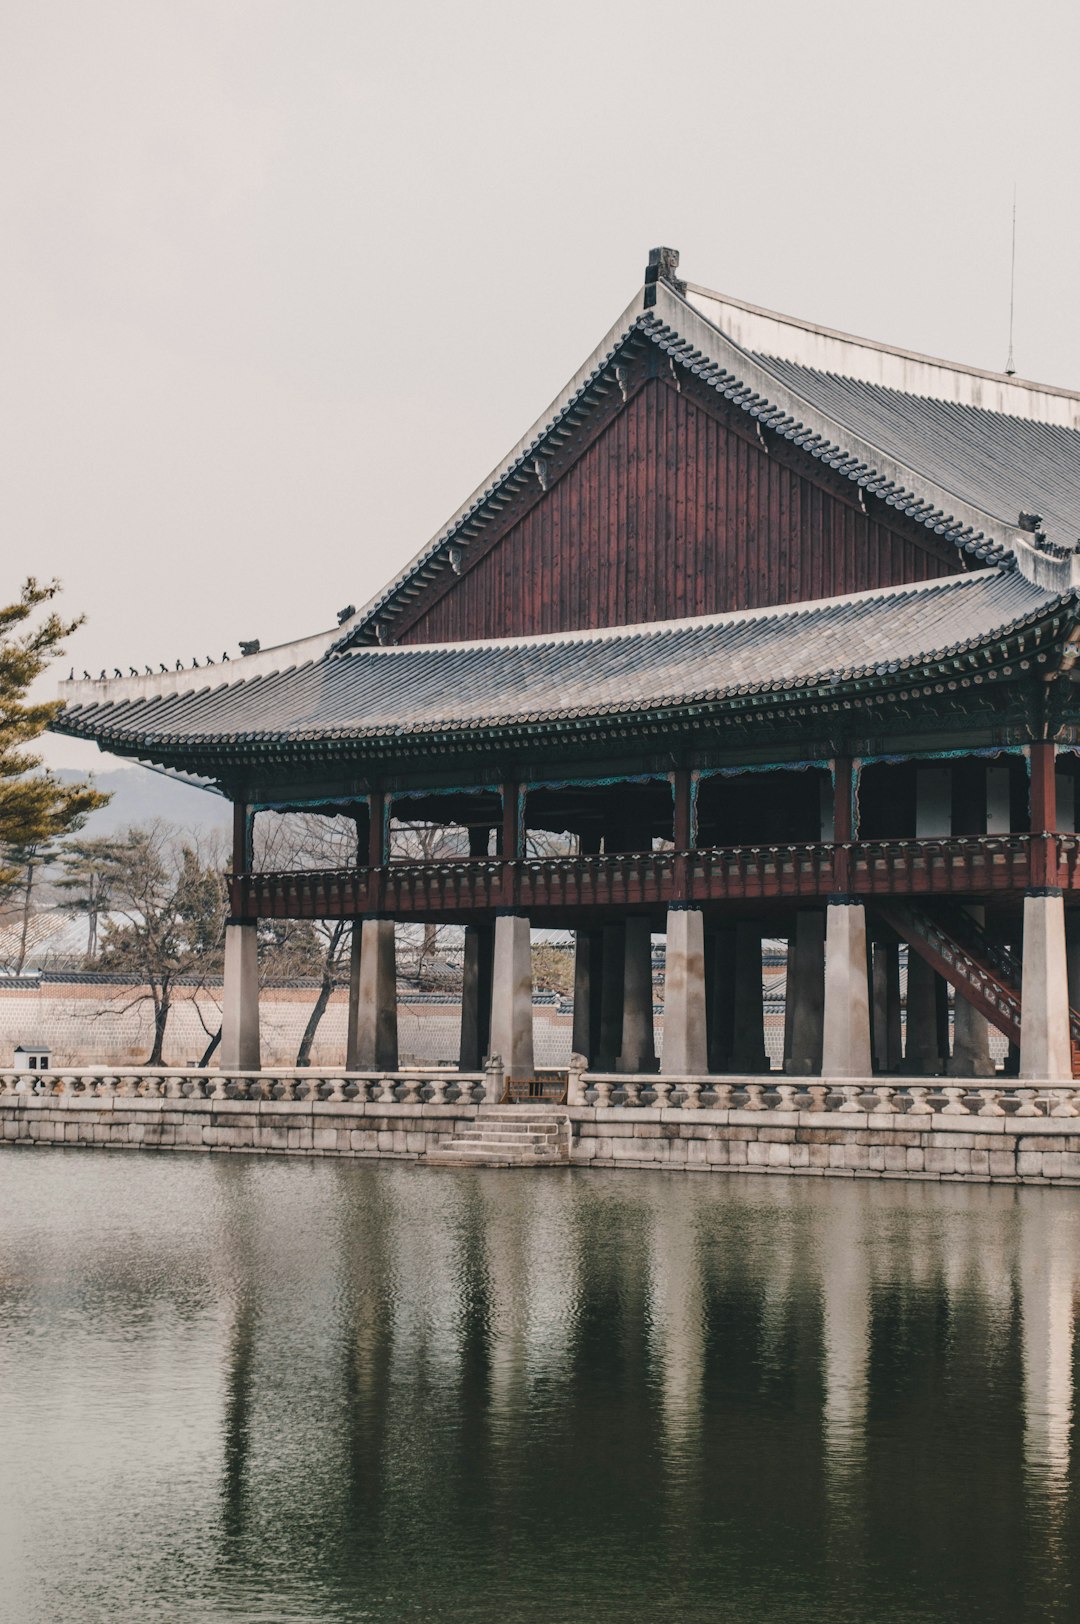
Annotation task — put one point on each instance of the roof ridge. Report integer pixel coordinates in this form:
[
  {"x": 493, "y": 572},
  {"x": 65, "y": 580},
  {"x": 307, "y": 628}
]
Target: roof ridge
[{"x": 818, "y": 328}]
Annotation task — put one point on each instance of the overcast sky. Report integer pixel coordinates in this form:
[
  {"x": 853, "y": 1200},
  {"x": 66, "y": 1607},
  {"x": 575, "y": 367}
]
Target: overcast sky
[{"x": 282, "y": 279}]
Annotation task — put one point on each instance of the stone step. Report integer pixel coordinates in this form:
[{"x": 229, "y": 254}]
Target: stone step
[{"x": 504, "y": 1130}]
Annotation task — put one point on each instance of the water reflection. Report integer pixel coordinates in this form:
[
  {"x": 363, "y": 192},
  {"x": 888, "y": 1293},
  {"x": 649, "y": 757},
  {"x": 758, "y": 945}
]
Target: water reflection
[{"x": 232, "y": 1388}]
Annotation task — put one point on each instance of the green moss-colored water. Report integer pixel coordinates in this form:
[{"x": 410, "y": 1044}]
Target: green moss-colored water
[{"x": 241, "y": 1388}]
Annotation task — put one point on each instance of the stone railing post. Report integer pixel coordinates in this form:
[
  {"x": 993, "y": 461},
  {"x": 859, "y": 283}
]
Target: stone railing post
[
  {"x": 575, "y": 1085},
  {"x": 493, "y": 1080}
]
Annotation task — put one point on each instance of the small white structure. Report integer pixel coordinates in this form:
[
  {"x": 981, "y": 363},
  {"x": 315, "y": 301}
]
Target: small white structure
[{"x": 31, "y": 1057}]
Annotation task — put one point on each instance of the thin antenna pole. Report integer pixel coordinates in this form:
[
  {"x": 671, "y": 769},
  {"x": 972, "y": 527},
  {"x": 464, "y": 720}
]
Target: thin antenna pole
[{"x": 1010, "y": 365}]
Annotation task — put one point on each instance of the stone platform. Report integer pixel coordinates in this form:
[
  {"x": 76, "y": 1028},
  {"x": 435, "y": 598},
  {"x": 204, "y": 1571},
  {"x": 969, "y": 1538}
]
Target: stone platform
[{"x": 971, "y": 1132}]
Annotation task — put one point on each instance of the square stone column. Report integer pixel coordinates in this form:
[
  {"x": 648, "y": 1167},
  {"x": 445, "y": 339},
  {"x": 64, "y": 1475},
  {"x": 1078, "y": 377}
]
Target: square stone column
[
  {"x": 685, "y": 1038},
  {"x": 511, "y": 997},
  {"x": 588, "y": 986},
  {"x": 923, "y": 1056},
  {"x": 805, "y": 995},
  {"x": 612, "y": 973},
  {"x": 888, "y": 1052},
  {"x": 476, "y": 996},
  {"x": 240, "y": 1000},
  {"x": 971, "y": 1031},
  {"x": 352, "y": 1026},
  {"x": 1045, "y": 1044},
  {"x": 376, "y": 1034},
  {"x": 638, "y": 1051},
  {"x": 748, "y": 1053},
  {"x": 846, "y": 1045}
]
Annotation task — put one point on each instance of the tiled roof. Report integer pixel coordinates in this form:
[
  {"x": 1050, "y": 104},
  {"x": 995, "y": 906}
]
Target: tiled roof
[
  {"x": 999, "y": 463},
  {"x": 418, "y": 690}
]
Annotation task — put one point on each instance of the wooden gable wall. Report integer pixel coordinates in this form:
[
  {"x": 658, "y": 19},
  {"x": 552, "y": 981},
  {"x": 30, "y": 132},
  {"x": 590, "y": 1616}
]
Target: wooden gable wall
[{"x": 673, "y": 510}]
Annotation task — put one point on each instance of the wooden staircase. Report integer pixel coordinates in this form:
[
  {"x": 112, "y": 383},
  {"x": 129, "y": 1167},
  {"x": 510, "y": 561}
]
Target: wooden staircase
[
  {"x": 980, "y": 969},
  {"x": 508, "y": 1136}
]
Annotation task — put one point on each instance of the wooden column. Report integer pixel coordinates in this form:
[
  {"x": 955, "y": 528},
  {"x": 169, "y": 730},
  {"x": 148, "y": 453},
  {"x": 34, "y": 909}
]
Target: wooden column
[
  {"x": 843, "y": 832},
  {"x": 682, "y": 830},
  {"x": 241, "y": 838},
  {"x": 510, "y": 842},
  {"x": 1044, "y": 872},
  {"x": 376, "y": 853}
]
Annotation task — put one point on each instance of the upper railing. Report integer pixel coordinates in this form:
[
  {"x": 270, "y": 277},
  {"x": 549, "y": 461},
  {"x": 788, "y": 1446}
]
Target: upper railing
[{"x": 975, "y": 866}]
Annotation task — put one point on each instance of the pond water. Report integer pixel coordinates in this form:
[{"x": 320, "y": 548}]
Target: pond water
[{"x": 239, "y": 1388}]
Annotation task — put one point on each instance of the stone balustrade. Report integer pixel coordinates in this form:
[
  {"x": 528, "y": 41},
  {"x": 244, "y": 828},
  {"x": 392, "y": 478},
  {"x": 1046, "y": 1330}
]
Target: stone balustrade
[
  {"x": 427, "y": 1087},
  {"x": 784, "y": 1096}
]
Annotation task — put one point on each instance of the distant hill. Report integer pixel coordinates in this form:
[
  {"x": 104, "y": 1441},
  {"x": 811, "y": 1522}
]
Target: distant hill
[{"x": 140, "y": 796}]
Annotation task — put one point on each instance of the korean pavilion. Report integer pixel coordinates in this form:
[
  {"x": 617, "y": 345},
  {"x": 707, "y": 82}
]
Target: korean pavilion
[{"x": 780, "y": 627}]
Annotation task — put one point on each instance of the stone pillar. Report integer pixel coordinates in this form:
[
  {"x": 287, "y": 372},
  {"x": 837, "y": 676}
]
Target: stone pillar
[
  {"x": 846, "y": 1044},
  {"x": 376, "y": 1007},
  {"x": 588, "y": 985},
  {"x": 240, "y": 1000},
  {"x": 1072, "y": 955},
  {"x": 611, "y": 996},
  {"x": 720, "y": 994},
  {"x": 685, "y": 1044},
  {"x": 1045, "y": 1044},
  {"x": 805, "y": 999},
  {"x": 887, "y": 1044},
  {"x": 971, "y": 1031},
  {"x": 511, "y": 996},
  {"x": 354, "y": 994},
  {"x": 922, "y": 1052},
  {"x": 475, "y": 997},
  {"x": 638, "y": 1049},
  {"x": 748, "y": 1053}
]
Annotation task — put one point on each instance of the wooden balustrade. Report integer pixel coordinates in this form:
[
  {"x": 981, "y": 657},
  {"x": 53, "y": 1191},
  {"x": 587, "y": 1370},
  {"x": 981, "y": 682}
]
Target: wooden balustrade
[{"x": 976, "y": 866}]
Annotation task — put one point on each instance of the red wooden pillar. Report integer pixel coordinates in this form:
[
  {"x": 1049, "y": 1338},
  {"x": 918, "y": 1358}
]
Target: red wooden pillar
[
  {"x": 510, "y": 840},
  {"x": 842, "y": 822},
  {"x": 682, "y": 831},
  {"x": 240, "y": 888},
  {"x": 376, "y": 852},
  {"x": 1044, "y": 867}
]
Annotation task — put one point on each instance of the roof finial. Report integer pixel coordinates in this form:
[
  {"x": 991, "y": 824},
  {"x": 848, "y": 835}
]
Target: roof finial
[{"x": 663, "y": 263}]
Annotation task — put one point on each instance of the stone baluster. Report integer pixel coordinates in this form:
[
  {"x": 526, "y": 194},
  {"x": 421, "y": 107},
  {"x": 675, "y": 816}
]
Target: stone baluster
[
  {"x": 8, "y": 1082},
  {"x": 107, "y": 1086},
  {"x": 754, "y": 1101},
  {"x": 631, "y": 1092},
  {"x": 786, "y": 1096},
  {"x": 722, "y": 1096},
  {"x": 661, "y": 1093},
  {"x": 174, "y": 1085},
  {"x": 954, "y": 1101},
  {"x": 288, "y": 1088},
  {"x": 819, "y": 1096},
  {"x": 438, "y": 1090},
  {"x": 885, "y": 1098},
  {"x": 152, "y": 1085},
  {"x": 362, "y": 1094},
  {"x": 989, "y": 1106},
  {"x": 920, "y": 1105},
  {"x": 850, "y": 1097},
  {"x": 337, "y": 1087},
  {"x": 466, "y": 1094},
  {"x": 197, "y": 1081},
  {"x": 1062, "y": 1102},
  {"x": 1027, "y": 1106},
  {"x": 691, "y": 1096},
  {"x": 603, "y": 1095},
  {"x": 221, "y": 1086},
  {"x": 410, "y": 1091},
  {"x": 387, "y": 1089},
  {"x": 494, "y": 1078},
  {"x": 313, "y": 1090}
]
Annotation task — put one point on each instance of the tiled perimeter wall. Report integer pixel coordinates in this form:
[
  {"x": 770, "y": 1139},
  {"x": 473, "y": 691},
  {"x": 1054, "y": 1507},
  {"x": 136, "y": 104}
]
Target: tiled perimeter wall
[{"x": 1035, "y": 1150}]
